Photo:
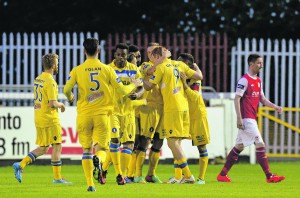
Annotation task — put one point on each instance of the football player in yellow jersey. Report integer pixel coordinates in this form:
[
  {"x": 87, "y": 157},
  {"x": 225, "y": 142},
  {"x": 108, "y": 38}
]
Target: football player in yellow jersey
[
  {"x": 151, "y": 117},
  {"x": 176, "y": 110},
  {"x": 46, "y": 120},
  {"x": 95, "y": 81},
  {"x": 123, "y": 122},
  {"x": 134, "y": 57},
  {"x": 199, "y": 128}
]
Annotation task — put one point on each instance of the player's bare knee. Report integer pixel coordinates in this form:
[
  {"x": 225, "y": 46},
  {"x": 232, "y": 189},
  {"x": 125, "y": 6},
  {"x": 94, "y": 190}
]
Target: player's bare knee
[
  {"x": 240, "y": 147},
  {"x": 171, "y": 143},
  {"x": 56, "y": 148},
  {"x": 128, "y": 144},
  {"x": 43, "y": 150},
  {"x": 259, "y": 145}
]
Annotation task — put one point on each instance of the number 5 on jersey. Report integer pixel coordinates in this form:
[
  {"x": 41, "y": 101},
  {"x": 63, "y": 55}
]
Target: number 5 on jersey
[{"x": 93, "y": 80}]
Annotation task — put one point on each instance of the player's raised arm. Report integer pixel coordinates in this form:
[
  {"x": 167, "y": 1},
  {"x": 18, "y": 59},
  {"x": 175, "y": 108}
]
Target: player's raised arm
[{"x": 198, "y": 74}]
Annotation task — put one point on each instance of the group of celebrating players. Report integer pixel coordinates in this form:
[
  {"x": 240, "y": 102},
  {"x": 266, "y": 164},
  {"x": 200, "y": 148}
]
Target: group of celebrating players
[{"x": 122, "y": 108}]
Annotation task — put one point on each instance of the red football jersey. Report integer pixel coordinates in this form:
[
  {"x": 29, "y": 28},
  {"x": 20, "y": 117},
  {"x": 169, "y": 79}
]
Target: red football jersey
[{"x": 250, "y": 90}]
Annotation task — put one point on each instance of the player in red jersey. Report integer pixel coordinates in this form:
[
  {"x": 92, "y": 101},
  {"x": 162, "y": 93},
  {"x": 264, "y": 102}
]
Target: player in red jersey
[{"x": 249, "y": 93}]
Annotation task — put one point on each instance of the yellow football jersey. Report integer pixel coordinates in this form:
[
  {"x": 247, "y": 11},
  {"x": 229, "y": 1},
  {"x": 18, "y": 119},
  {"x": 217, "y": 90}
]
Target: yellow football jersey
[
  {"x": 167, "y": 76},
  {"x": 45, "y": 89},
  {"x": 95, "y": 82},
  {"x": 123, "y": 103},
  {"x": 154, "y": 97},
  {"x": 196, "y": 102}
]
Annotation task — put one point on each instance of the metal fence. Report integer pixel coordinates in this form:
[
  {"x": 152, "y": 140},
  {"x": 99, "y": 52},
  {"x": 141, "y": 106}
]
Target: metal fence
[
  {"x": 21, "y": 53},
  {"x": 21, "y": 56},
  {"x": 210, "y": 52},
  {"x": 21, "y": 63}
]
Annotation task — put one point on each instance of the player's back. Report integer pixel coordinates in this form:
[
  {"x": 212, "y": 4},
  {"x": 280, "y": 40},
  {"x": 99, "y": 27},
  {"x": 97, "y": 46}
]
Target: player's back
[
  {"x": 171, "y": 85},
  {"x": 93, "y": 79},
  {"x": 45, "y": 89}
]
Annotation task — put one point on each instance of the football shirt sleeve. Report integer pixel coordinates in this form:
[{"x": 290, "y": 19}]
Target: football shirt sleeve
[
  {"x": 191, "y": 94},
  {"x": 241, "y": 87},
  {"x": 157, "y": 75},
  {"x": 136, "y": 103},
  {"x": 70, "y": 84},
  {"x": 51, "y": 90},
  {"x": 188, "y": 71}
]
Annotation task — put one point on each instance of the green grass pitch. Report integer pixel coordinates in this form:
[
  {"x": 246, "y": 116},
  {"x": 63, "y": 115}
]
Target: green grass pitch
[{"x": 248, "y": 181}]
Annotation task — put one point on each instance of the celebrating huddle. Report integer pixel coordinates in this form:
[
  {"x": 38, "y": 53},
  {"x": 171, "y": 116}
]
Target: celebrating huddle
[{"x": 122, "y": 108}]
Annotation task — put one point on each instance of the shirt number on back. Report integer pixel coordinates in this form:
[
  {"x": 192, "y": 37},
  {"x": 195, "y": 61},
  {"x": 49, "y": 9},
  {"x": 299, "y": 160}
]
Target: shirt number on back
[
  {"x": 92, "y": 75},
  {"x": 38, "y": 93},
  {"x": 176, "y": 74}
]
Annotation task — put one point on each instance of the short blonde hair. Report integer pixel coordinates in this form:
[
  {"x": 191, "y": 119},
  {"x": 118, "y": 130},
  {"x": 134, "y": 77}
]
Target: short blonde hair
[
  {"x": 157, "y": 51},
  {"x": 48, "y": 60},
  {"x": 153, "y": 44}
]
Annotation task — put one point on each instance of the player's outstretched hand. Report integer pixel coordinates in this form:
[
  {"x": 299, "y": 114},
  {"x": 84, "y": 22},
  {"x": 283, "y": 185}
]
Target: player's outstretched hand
[
  {"x": 133, "y": 96},
  {"x": 279, "y": 109},
  {"x": 240, "y": 124},
  {"x": 62, "y": 108},
  {"x": 183, "y": 76},
  {"x": 72, "y": 99},
  {"x": 137, "y": 81}
]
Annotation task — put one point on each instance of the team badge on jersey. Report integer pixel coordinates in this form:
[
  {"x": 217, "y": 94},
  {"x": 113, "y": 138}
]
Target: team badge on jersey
[
  {"x": 145, "y": 67},
  {"x": 69, "y": 78},
  {"x": 152, "y": 77}
]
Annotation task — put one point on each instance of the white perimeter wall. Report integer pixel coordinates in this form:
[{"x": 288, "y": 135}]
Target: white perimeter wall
[{"x": 17, "y": 132}]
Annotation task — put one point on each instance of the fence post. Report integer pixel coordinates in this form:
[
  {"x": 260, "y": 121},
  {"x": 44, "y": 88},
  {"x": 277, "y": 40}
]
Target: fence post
[
  {"x": 197, "y": 45},
  {"x": 225, "y": 66},
  {"x": 68, "y": 57},
  {"x": 203, "y": 46},
  {"x": 218, "y": 71},
  {"x": 211, "y": 77}
]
